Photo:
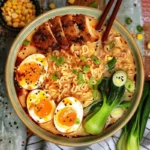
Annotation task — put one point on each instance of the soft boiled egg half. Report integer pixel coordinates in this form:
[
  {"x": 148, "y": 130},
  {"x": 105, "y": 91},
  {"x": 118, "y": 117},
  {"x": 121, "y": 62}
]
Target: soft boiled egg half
[
  {"x": 68, "y": 115},
  {"x": 32, "y": 71},
  {"x": 40, "y": 106}
]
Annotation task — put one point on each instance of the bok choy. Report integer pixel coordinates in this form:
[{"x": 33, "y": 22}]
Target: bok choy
[
  {"x": 132, "y": 133},
  {"x": 112, "y": 94}
]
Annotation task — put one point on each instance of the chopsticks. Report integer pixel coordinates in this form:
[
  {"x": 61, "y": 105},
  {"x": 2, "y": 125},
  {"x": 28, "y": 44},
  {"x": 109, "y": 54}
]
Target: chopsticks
[{"x": 111, "y": 20}]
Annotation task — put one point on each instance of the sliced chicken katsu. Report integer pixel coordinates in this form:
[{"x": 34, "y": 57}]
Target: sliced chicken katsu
[
  {"x": 58, "y": 32},
  {"x": 44, "y": 39},
  {"x": 70, "y": 28},
  {"x": 86, "y": 30}
]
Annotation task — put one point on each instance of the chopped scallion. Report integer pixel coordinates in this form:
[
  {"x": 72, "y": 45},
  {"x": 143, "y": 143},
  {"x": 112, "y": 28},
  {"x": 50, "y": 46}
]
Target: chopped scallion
[
  {"x": 74, "y": 71},
  {"x": 77, "y": 121},
  {"x": 59, "y": 60},
  {"x": 80, "y": 78},
  {"x": 94, "y": 4},
  {"x": 95, "y": 60},
  {"x": 139, "y": 28},
  {"x": 111, "y": 45},
  {"x": 128, "y": 20},
  {"x": 26, "y": 42},
  {"x": 90, "y": 83},
  {"x": 112, "y": 63},
  {"x": 54, "y": 77},
  {"x": 94, "y": 93},
  {"x": 86, "y": 68}
]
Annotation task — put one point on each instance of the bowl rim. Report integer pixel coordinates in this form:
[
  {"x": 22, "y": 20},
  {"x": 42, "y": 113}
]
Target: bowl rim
[{"x": 19, "y": 110}]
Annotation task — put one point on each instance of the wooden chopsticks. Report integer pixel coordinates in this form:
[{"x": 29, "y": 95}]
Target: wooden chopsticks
[{"x": 111, "y": 20}]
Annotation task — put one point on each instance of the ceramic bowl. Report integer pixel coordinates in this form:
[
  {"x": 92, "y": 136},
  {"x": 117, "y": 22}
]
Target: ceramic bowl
[{"x": 80, "y": 141}]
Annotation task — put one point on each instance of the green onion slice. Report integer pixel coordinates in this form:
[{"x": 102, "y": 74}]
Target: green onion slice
[
  {"x": 128, "y": 20},
  {"x": 112, "y": 63},
  {"x": 26, "y": 42},
  {"x": 80, "y": 78},
  {"x": 54, "y": 77},
  {"x": 139, "y": 28},
  {"x": 95, "y": 60},
  {"x": 94, "y": 5},
  {"x": 59, "y": 60},
  {"x": 74, "y": 71},
  {"x": 111, "y": 45}
]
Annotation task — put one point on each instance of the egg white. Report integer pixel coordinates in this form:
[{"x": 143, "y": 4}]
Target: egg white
[
  {"x": 77, "y": 106},
  {"x": 41, "y": 61},
  {"x": 33, "y": 98}
]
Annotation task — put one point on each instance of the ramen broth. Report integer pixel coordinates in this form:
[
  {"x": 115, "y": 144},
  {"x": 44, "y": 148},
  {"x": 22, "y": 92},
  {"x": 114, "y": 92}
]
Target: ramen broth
[{"x": 75, "y": 58}]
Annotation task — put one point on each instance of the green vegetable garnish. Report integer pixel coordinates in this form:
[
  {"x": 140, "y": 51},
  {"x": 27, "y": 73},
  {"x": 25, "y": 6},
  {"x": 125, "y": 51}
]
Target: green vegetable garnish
[
  {"x": 80, "y": 78},
  {"x": 139, "y": 28},
  {"x": 59, "y": 60},
  {"x": 128, "y": 20},
  {"x": 111, "y": 45},
  {"x": 94, "y": 5},
  {"x": 112, "y": 63},
  {"x": 54, "y": 77},
  {"x": 95, "y": 123},
  {"x": 77, "y": 121},
  {"x": 95, "y": 60},
  {"x": 54, "y": 58},
  {"x": 86, "y": 68},
  {"x": 90, "y": 83},
  {"x": 83, "y": 58},
  {"x": 130, "y": 85},
  {"x": 95, "y": 86},
  {"x": 26, "y": 42},
  {"x": 74, "y": 71},
  {"x": 94, "y": 93},
  {"x": 133, "y": 131}
]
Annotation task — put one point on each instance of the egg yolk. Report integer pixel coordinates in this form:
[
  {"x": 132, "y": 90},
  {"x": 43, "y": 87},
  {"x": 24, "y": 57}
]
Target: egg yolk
[
  {"x": 43, "y": 108},
  {"x": 30, "y": 72},
  {"x": 67, "y": 116}
]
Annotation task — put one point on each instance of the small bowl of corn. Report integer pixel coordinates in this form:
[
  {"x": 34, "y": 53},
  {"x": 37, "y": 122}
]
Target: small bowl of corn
[{"x": 16, "y": 14}]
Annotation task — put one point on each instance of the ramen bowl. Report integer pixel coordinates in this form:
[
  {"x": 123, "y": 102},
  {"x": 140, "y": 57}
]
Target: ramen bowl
[{"x": 57, "y": 139}]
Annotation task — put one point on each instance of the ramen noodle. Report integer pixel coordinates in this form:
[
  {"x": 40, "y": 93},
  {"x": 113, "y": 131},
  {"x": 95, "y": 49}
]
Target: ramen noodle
[{"x": 60, "y": 61}]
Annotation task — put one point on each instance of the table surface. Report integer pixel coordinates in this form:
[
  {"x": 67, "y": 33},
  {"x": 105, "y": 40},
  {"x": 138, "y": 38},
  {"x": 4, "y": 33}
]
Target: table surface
[{"x": 13, "y": 133}]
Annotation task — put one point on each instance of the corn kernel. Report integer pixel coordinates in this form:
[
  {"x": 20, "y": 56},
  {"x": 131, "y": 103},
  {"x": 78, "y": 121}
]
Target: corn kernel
[
  {"x": 71, "y": 1},
  {"x": 15, "y": 24},
  {"x": 109, "y": 58},
  {"x": 14, "y": 15},
  {"x": 148, "y": 45},
  {"x": 22, "y": 24},
  {"x": 29, "y": 5},
  {"x": 16, "y": 20},
  {"x": 9, "y": 23},
  {"x": 139, "y": 36},
  {"x": 14, "y": 7},
  {"x": 7, "y": 9},
  {"x": 8, "y": 4},
  {"x": 8, "y": 18},
  {"x": 52, "y": 6},
  {"x": 18, "y": 11}
]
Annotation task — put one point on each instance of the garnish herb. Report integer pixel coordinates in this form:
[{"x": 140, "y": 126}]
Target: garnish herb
[
  {"x": 83, "y": 58},
  {"x": 26, "y": 42},
  {"x": 128, "y": 20},
  {"x": 139, "y": 28},
  {"x": 77, "y": 121},
  {"x": 94, "y": 4},
  {"x": 74, "y": 71},
  {"x": 86, "y": 68},
  {"x": 111, "y": 99},
  {"x": 133, "y": 131},
  {"x": 112, "y": 63},
  {"x": 94, "y": 93},
  {"x": 54, "y": 77},
  {"x": 90, "y": 83},
  {"x": 95, "y": 60},
  {"x": 111, "y": 45},
  {"x": 80, "y": 78},
  {"x": 59, "y": 60}
]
